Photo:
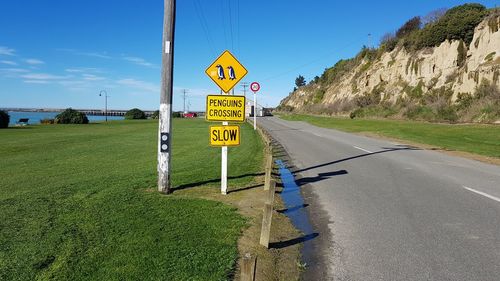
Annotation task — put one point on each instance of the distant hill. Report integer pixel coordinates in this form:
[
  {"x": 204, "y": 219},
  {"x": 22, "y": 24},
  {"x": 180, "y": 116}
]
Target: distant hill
[{"x": 444, "y": 67}]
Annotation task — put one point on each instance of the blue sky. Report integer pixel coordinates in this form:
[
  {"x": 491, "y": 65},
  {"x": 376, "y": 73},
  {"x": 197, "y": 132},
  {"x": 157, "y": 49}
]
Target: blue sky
[{"x": 62, "y": 53}]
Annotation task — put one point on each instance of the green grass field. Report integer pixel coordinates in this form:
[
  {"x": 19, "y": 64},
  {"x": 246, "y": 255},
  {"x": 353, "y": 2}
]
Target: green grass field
[
  {"x": 78, "y": 202},
  {"x": 479, "y": 139}
]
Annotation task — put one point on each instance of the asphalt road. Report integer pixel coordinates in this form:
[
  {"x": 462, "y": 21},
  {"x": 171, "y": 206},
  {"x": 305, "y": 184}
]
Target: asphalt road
[{"x": 397, "y": 212}]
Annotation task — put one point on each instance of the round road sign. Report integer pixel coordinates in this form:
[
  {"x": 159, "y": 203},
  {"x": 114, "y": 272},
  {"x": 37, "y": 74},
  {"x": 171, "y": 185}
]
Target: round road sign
[{"x": 255, "y": 87}]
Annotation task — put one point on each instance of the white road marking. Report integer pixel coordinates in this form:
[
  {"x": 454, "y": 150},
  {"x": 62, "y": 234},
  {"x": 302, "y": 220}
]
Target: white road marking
[
  {"x": 482, "y": 193},
  {"x": 362, "y": 149},
  {"x": 447, "y": 164}
]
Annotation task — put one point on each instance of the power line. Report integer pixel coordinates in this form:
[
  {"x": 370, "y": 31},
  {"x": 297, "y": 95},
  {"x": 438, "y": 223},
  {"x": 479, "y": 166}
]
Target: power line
[
  {"x": 313, "y": 61},
  {"x": 244, "y": 85},
  {"x": 238, "y": 24},
  {"x": 223, "y": 22},
  {"x": 204, "y": 25},
  {"x": 184, "y": 92},
  {"x": 231, "y": 24}
]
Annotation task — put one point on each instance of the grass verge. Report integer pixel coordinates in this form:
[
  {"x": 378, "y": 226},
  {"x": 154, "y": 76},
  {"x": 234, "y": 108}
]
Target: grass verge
[
  {"x": 78, "y": 202},
  {"x": 478, "y": 139}
]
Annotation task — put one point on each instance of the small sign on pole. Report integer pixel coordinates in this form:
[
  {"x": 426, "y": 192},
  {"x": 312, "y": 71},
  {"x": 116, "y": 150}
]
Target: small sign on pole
[{"x": 255, "y": 87}]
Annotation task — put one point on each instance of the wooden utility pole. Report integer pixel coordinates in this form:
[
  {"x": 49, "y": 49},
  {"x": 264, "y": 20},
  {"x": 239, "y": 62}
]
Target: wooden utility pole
[
  {"x": 165, "y": 127},
  {"x": 244, "y": 85},
  {"x": 184, "y": 92}
]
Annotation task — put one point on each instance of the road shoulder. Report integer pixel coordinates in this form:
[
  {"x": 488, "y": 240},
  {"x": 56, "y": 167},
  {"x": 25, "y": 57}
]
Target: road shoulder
[
  {"x": 316, "y": 265},
  {"x": 457, "y": 153}
]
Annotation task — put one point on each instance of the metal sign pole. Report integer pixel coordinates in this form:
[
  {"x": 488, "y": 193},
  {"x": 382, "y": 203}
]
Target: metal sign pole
[
  {"x": 255, "y": 87},
  {"x": 255, "y": 110}
]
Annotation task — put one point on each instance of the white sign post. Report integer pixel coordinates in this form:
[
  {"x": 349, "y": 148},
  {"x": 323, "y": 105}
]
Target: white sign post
[
  {"x": 255, "y": 87},
  {"x": 223, "y": 168}
]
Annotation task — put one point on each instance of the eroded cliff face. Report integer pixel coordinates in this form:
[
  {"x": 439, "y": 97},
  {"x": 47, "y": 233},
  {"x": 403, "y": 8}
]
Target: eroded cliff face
[{"x": 451, "y": 66}]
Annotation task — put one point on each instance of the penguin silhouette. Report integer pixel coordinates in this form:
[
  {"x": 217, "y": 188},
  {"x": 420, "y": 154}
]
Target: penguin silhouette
[
  {"x": 232, "y": 75},
  {"x": 220, "y": 72}
]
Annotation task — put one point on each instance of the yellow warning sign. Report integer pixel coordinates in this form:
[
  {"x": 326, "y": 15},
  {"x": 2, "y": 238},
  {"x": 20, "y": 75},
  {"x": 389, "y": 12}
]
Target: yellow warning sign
[
  {"x": 225, "y": 108},
  {"x": 226, "y": 71},
  {"x": 225, "y": 135}
]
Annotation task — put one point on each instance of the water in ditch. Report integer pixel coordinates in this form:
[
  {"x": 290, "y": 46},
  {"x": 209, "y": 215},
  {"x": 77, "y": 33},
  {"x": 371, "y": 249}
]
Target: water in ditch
[{"x": 295, "y": 210}]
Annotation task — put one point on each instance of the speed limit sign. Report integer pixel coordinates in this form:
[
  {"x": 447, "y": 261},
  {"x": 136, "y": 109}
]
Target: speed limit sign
[{"x": 255, "y": 87}]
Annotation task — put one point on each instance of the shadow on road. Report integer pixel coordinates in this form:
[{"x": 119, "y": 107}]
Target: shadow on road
[
  {"x": 291, "y": 242},
  {"x": 320, "y": 177},
  {"x": 385, "y": 150}
]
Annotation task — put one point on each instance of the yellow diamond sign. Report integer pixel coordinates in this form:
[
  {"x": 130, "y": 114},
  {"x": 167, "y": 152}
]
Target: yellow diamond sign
[{"x": 226, "y": 71}]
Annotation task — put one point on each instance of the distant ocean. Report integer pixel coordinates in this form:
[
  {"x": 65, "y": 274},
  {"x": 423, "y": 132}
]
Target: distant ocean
[{"x": 35, "y": 117}]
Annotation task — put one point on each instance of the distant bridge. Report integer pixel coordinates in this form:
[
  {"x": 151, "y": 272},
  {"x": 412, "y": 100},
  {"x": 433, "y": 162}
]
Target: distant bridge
[
  {"x": 97, "y": 112},
  {"x": 94, "y": 112}
]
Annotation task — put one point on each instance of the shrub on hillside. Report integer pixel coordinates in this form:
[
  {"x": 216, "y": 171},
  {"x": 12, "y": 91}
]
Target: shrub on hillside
[
  {"x": 284, "y": 108},
  {"x": 4, "y": 119},
  {"x": 334, "y": 73},
  {"x": 464, "y": 101},
  {"x": 300, "y": 81},
  {"x": 446, "y": 113},
  {"x": 177, "y": 114},
  {"x": 367, "y": 53},
  {"x": 485, "y": 104},
  {"x": 457, "y": 23},
  {"x": 419, "y": 112},
  {"x": 374, "y": 110},
  {"x": 409, "y": 27},
  {"x": 318, "y": 95},
  {"x": 135, "y": 113},
  {"x": 71, "y": 116},
  {"x": 388, "y": 42},
  {"x": 487, "y": 90}
]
